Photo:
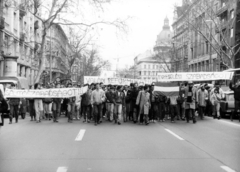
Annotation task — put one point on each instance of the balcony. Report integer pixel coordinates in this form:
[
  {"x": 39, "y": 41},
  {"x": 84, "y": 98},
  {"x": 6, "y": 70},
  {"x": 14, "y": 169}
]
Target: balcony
[
  {"x": 22, "y": 10},
  {"x": 36, "y": 25},
  {"x": 2, "y": 23},
  {"x": 222, "y": 9},
  {"x": 22, "y": 37}
]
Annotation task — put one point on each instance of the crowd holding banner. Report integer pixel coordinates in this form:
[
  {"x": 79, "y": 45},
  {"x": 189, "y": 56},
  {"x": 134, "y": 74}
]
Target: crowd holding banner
[
  {"x": 195, "y": 76},
  {"x": 45, "y": 93},
  {"x": 123, "y": 99}
]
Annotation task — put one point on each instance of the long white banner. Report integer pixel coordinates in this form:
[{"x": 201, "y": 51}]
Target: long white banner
[
  {"x": 195, "y": 76},
  {"x": 45, "y": 93},
  {"x": 114, "y": 81}
]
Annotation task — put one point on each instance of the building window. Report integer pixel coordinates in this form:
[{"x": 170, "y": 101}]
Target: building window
[
  {"x": 153, "y": 66},
  {"x": 149, "y": 73},
  {"x": 149, "y": 66},
  {"x": 232, "y": 14},
  {"x": 231, "y": 33},
  {"x": 144, "y": 66},
  {"x": 145, "y": 73}
]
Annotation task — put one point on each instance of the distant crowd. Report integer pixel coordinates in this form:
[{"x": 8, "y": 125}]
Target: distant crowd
[{"x": 120, "y": 104}]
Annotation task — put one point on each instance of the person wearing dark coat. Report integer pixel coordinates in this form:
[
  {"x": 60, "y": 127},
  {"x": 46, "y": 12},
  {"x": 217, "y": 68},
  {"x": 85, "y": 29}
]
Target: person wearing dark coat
[
  {"x": 14, "y": 107},
  {"x": 135, "y": 107},
  {"x": 236, "y": 90}
]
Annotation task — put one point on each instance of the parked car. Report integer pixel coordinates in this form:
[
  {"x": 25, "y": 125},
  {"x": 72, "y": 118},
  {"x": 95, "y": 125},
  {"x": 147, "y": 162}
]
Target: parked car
[
  {"x": 20, "y": 82},
  {"x": 227, "y": 105}
]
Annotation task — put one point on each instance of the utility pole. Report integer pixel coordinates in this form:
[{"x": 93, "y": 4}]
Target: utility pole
[
  {"x": 1, "y": 39},
  {"x": 210, "y": 58},
  {"x": 50, "y": 55}
]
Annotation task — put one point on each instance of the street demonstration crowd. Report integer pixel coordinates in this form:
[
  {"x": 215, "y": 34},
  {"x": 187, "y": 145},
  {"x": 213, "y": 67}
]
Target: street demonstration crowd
[{"x": 115, "y": 103}]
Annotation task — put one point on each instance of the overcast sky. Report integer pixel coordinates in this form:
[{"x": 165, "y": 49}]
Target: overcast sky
[{"x": 147, "y": 17}]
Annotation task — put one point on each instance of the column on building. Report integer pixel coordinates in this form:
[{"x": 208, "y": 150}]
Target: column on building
[
  {"x": 23, "y": 71},
  {"x": 1, "y": 67},
  {"x": 28, "y": 75},
  {"x": 32, "y": 77},
  {"x": 18, "y": 70}
]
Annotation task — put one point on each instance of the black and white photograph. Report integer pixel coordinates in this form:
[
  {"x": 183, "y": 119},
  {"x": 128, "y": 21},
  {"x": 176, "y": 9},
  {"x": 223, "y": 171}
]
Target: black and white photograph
[{"x": 119, "y": 85}]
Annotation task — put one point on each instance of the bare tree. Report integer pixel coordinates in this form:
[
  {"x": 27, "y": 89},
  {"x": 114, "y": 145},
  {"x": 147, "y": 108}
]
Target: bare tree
[
  {"x": 54, "y": 13},
  {"x": 79, "y": 42},
  {"x": 91, "y": 63}
]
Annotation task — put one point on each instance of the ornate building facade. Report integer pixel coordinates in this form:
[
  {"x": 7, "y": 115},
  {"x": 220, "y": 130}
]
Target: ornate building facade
[{"x": 21, "y": 37}]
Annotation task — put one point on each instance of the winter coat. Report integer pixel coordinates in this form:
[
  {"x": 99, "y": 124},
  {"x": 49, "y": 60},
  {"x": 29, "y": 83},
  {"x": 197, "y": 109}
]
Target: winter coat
[
  {"x": 190, "y": 105},
  {"x": 143, "y": 100},
  {"x": 236, "y": 91},
  {"x": 202, "y": 97}
]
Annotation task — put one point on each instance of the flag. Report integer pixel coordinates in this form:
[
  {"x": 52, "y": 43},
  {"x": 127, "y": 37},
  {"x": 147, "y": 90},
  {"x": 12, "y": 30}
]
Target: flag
[{"x": 166, "y": 88}]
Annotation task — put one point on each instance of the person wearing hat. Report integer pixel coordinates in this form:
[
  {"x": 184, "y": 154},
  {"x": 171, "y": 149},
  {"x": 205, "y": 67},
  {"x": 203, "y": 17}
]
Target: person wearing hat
[
  {"x": 190, "y": 101},
  {"x": 202, "y": 97}
]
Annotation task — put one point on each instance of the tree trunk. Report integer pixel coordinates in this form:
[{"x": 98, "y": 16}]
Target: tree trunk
[{"x": 42, "y": 57}]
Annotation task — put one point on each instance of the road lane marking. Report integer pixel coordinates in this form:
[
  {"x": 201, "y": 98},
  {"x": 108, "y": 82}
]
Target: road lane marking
[
  {"x": 62, "y": 169},
  {"x": 180, "y": 138},
  {"x": 80, "y": 135},
  {"x": 226, "y": 168}
]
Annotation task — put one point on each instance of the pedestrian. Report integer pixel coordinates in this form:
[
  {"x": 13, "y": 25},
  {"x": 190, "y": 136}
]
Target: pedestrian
[
  {"x": 215, "y": 99},
  {"x": 23, "y": 107},
  {"x": 154, "y": 106},
  {"x": 14, "y": 107},
  {"x": 236, "y": 90},
  {"x": 173, "y": 108},
  {"x": 31, "y": 107},
  {"x": 202, "y": 97},
  {"x": 143, "y": 101},
  {"x": 190, "y": 99},
  {"x": 162, "y": 107},
  {"x": 119, "y": 100},
  {"x": 70, "y": 105},
  {"x": 180, "y": 101},
  {"x": 124, "y": 107},
  {"x": 110, "y": 103},
  {"x": 56, "y": 105},
  {"x": 78, "y": 105},
  {"x": 47, "y": 106},
  {"x": 86, "y": 104},
  {"x": 220, "y": 90},
  {"x": 96, "y": 100},
  {"x": 135, "y": 107},
  {"x": 128, "y": 100},
  {"x": 38, "y": 104}
]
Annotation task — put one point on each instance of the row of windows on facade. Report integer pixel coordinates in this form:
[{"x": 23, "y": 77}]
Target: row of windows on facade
[
  {"x": 144, "y": 73},
  {"x": 149, "y": 66},
  {"x": 205, "y": 66}
]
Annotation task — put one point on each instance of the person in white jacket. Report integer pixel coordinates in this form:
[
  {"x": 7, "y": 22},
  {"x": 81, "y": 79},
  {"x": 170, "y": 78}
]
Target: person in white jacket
[{"x": 215, "y": 100}]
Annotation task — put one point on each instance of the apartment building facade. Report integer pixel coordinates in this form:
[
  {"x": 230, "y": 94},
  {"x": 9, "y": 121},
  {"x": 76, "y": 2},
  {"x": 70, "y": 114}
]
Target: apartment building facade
[
  {"x": 21, "y": 35},
  {"x": 199, "y": 29}
]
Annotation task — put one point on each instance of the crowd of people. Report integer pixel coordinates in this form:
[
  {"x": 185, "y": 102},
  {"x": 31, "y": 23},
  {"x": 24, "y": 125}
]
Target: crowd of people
[{"x": 118, "y": 104}]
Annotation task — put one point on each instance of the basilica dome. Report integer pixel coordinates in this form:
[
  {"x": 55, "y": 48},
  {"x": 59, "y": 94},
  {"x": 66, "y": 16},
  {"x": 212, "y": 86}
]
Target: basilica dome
[{"x": 164, "y": 38}]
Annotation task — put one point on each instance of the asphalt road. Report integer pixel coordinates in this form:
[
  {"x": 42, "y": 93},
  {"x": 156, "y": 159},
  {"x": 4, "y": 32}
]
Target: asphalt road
[{"x": 208, "y": 146}]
